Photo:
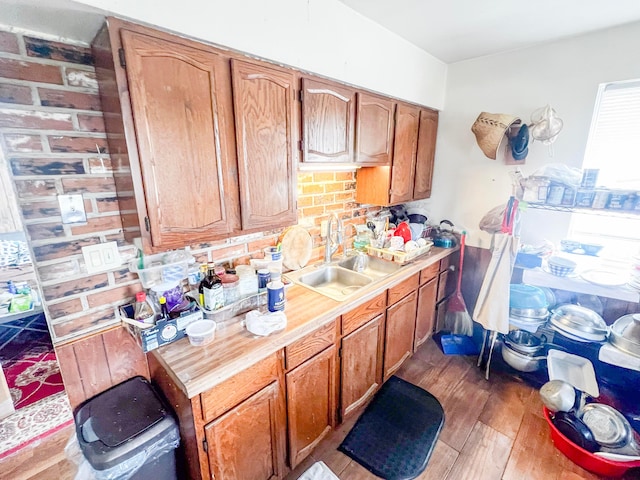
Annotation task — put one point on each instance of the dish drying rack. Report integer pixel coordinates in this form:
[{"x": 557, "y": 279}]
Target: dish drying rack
[{"x": 399, "y": 256}]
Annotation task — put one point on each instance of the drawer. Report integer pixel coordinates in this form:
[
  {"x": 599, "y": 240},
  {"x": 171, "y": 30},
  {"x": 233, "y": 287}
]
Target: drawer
[
  {"x": 445, "y": 262},
  {"x": 239, "y": 387},
  {"x": 299, "y": 351},
  {"x": 403, "y": 289},
  {"x": 362, "y": 314},
  {"x": 429, "y": 273}
]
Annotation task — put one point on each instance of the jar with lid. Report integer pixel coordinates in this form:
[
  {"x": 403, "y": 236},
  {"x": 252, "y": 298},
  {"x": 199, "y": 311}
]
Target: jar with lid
[
  {"x": 230, "y": 284},
  {"x": 248, "y": 280}
]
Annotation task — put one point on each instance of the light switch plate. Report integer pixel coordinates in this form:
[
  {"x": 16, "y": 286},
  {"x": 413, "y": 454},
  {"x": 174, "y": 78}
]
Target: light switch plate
[
  {"x": 101, "y": 257},
  {"x": 72, "y": 208}
]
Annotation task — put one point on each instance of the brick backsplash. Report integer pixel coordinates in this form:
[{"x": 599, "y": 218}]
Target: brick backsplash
[{"x": 52, "y": 133}]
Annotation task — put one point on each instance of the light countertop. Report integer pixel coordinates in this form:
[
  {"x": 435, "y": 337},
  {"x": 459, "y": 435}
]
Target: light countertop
[{"x": 198, "y": 369}]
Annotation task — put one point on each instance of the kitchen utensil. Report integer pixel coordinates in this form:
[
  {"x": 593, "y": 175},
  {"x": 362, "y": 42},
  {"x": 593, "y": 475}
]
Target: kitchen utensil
[
  {"x": 625, "y": 334},
  {"x": 576, "y": 371},
  {"x": 417, "y": 218},
  {"x": 403, "y": 230},
  {"x": 574, "y": 334},
  {"x": 296, "y": 248},
  {"x": 616, "y": 457},
  {"x": 558, "y": 396},
  {"x": 609, "y": 427},
  {"x": 579, "y": 318},
  {"x": 523, "y": 296},
  {"x": 575, "y": 430},
  {"x": 444, "y": 238},
  {"x": 561, "y": 267},
  {"x": 524, "y": 342},
  {"x": 532, "y": 313},
  {"x": 604, "y": 278},
  {"x": 590, "y": 461},
  {"x": 520, "y": 361},
  {"x": 417, "y": 229}
]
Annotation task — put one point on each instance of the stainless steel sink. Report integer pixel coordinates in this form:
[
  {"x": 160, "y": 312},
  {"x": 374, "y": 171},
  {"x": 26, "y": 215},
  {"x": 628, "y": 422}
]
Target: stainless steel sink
[
  {"x": 376, "y": 267},
  {"x": 332, "y": 281}
]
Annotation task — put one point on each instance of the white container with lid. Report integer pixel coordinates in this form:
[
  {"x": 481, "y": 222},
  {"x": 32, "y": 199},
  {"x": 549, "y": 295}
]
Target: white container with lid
[{"x": 201, "y": 332}]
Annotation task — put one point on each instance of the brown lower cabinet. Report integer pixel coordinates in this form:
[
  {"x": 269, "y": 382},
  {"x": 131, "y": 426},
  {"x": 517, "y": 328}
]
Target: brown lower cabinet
[
  {"x": 400, "y": 327},
  {"x": 239, "y": 429},
  {"x": 311, "y": 403},
  {"x": 248, "y": 440},
  {"x": 361, "y": 365}
]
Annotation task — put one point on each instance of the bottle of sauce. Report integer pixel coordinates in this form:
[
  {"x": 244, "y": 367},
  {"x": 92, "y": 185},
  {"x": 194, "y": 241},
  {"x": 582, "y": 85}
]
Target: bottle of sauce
[
  {"x": 211, "y": 291},
  {"x": 142, "y": 311}
]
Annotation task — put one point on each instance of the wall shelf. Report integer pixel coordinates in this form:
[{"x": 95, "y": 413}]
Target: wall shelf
[{"x": 589, "y": 211}]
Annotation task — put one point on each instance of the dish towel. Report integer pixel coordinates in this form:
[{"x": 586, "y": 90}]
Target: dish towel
[{"x": 318, "y": 471}]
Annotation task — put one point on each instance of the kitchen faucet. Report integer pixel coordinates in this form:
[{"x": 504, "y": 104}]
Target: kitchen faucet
[{"x": 330, "y": 246}]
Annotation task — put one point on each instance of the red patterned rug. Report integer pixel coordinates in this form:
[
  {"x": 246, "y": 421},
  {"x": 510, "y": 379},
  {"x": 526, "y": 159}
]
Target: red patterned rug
[{"x": 33, "y": 378}]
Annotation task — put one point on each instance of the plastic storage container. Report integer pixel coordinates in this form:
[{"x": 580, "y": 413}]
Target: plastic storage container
[
  {"x": 201, "y": 333},
  {"x": 170, "y": 267},
  {"x": 128, "y": 432}
]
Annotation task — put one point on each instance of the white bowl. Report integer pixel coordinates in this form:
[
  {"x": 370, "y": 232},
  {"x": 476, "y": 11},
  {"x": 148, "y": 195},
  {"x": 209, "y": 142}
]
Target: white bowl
[{"x": 201, "y": 332}]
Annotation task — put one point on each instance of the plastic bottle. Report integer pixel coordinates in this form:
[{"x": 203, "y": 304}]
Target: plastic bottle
[
  {"x": 142, "y": 310},
  {"x": 211, "y": 291},
  {"x": 164, "y": 310}
]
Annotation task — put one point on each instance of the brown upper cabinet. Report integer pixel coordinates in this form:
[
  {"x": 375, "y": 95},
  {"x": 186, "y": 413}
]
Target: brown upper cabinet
[
  {"x": 328, "y": 121},
  {"x": 375, "y": 127},
  {"x": 264, "y": 101},
  {"x": 426, "y": 154},
  {"x": 409, "y": 177},
  {"x": 169, "y": 115}
]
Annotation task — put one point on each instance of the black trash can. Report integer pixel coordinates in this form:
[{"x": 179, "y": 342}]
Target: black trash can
[{"x": 128, "y": 428}]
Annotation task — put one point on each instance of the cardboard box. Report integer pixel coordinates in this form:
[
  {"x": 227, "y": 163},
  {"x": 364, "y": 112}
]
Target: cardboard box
[{"x": 163, "y": 332}]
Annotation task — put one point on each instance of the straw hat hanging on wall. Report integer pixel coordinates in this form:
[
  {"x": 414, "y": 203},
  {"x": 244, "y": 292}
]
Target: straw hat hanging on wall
[{"x": 490, "y": 129}]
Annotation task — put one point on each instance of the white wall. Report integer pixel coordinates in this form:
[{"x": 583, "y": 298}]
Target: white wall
[
  {"x": 321, "y": 36},
  {"x": 564, "y": 74}
]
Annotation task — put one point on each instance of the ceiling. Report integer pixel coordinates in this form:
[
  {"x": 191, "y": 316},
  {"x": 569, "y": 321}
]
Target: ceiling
[
  {"x": 452, "y": 30},
  {"x": 455, "y": 30}
]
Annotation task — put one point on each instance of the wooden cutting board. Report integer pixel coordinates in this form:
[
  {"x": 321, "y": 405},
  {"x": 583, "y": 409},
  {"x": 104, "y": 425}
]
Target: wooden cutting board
[{"x": 296, "y": 248}]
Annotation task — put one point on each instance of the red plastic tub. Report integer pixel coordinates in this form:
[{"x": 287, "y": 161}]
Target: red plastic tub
[{"x": 585, "y": 459}]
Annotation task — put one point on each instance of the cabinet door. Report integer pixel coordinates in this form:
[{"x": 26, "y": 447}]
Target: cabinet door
[
  {"x": 311, "y": 403},
  {"x": 361, "y": 365},
  {"x": 182, "y": 112},
  {"x": 400, "y": 326},
  {"x": 328, "y": 121},
  {"x": 405, "y": 148},
  {"x": 263, "y": 99},
  {"x": 375, "y": 125},
  {"x": 426, "y": 312},
  {"x": 426, "y": 154},
  {"x": 248, "y": 440}
]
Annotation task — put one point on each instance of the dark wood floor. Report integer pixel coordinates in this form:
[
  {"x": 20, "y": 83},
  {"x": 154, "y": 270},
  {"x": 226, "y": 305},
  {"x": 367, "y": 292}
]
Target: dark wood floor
[{"x": 493, "y": 429}]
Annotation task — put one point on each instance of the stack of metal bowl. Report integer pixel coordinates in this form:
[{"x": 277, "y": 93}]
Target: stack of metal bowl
[
  {"x": 528, "y": 306},
  {"x": 579, "y": 323},
  {"x": 625, "y": 334},
  {"x": 523, "y": 351}
]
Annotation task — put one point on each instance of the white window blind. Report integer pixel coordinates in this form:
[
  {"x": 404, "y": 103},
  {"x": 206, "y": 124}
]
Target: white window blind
[
  {"x": 613, "y": 147},
  {"x": 614, "y": 139}
]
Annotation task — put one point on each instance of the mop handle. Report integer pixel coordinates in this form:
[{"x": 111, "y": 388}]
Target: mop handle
[{"x": 464, "y": 234}]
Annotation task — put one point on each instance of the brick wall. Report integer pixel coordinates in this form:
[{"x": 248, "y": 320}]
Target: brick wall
[{"x": 53, "y": 138}]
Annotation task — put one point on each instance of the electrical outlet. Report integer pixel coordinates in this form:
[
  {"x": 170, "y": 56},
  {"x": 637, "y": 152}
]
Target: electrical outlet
[
  {"x": 324, "y": 226},
  {"x": 101, "y": 257}
]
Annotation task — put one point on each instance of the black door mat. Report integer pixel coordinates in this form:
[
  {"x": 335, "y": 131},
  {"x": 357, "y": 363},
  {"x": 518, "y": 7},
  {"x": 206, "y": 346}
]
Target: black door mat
[{"x": 395, "y": 435}]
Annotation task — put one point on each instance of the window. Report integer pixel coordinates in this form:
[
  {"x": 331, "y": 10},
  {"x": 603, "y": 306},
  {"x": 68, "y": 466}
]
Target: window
[{"x": 613, "y": 147}]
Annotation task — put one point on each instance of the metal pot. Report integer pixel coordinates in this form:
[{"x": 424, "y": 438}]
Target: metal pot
[
  {"x": 444, "y": 238},
  {"x": 524, "y": 342},
  {"x": 580, "y": 321},
  {"x": 520, "y": 361},
  {"x": 625, "y": 334}
]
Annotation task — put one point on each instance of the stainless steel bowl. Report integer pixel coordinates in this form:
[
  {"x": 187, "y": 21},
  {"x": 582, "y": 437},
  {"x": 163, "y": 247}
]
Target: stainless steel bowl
[
  {"x": 610, "y": 428},
  {"x": 579, "y": 318},
  {"x": 537, "y": 313},
  {"x": 520, "y": 361},
  {"x": 524, "y": 342},
  {"x": 625, "y": 334}
]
